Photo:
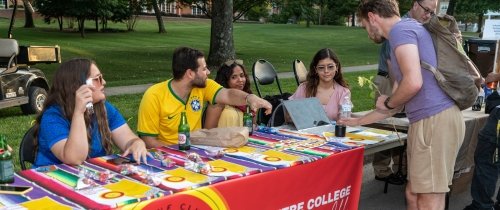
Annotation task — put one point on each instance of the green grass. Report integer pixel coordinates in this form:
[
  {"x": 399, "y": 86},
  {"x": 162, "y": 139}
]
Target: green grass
[{"x": 144, "y": 56}]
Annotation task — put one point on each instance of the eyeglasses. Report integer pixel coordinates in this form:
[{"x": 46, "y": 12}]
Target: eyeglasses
[
  {"x": 98, "y": 79},
  {"x": 426, "y": 10},
  {"x": 231, "y": 62},
  {"x": 329, "y": 67}
]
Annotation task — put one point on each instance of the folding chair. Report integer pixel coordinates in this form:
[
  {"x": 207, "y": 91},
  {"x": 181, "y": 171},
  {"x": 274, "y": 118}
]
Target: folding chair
[
  {"x": 264, "y": 74},
  {"x": 27, "y": 153},
  {"x": 300, "y": 71}
]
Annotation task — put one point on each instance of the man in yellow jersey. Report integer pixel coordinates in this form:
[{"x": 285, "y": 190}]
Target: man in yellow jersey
[{"x": 162, "y": 104}]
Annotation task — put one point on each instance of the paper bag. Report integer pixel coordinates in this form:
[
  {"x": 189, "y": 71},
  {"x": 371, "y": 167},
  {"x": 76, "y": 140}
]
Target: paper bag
[{"x": 221, "y": 137}]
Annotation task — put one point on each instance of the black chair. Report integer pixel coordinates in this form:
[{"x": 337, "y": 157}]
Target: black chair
[
  {"x": 264, "y": 74},
  {"x": 26, "y": 149},
  {"x": 300, "y": 71}
]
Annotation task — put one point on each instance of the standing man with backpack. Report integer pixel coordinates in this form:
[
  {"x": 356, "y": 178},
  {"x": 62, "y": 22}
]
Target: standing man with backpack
[
  {"x": 436, "y": 128},
  {"x": 421, "y": 11}
]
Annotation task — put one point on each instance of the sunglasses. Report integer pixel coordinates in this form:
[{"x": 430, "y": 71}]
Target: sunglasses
[
  {"x": 329, "y": 67},
  {"x": 231, "y": 62},
  {"x": 426, "y": 10},
  {"x": 98, "y": 79}
]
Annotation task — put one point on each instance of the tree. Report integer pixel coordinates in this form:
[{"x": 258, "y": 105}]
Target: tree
[
  {"x": 159, "y": 18},
  {"x": 451, "y": 7},
  {"x": 477, "y": 7},
  {"x": 339, "y": 10},
  {"x": 240, "y": 7},
  {"x": 221, "y": 33},
  {"x": 28, "y": 14},
  {"x": 53, "y": 9}
]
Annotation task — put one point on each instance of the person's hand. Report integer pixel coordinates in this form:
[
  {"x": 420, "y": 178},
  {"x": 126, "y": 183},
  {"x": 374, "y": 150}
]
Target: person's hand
[
  {"x": 349, "y": 121},
  {"x": 492, "y": 77},
  {"x": 137, "y": 148},
  {"x": 256, "y": 103},
  {"x": 83, "y": 95},
  {"x": 380, "y": 103}
]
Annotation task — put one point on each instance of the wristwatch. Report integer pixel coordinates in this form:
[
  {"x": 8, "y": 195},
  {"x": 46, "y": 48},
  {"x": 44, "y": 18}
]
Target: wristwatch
[{"x": 386, "y": 103}]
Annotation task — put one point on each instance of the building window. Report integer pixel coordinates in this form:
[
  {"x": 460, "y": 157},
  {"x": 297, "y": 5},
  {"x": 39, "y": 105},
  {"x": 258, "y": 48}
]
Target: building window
[
  {"x": 3, "y": 4},
  {"x": 170, "y": 8},
  {"x": 196, "y": 11}
]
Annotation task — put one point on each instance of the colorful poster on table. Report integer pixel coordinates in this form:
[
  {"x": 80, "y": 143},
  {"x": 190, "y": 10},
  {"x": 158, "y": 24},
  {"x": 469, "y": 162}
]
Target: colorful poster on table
[{"x": 330, "y": 183}]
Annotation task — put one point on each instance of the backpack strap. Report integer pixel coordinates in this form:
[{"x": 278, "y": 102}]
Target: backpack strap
[{"x": 429, "y": 67}]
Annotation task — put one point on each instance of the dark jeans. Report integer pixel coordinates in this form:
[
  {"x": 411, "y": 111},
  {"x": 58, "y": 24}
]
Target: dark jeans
[{"x": 486, "y": 171}]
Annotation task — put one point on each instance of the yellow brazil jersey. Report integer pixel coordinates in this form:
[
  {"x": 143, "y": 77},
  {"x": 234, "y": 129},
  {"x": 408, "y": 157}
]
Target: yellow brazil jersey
[{"x": 160, "y": 110}]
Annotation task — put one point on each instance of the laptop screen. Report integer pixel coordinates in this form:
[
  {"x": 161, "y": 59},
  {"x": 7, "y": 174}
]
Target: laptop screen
[{"x": 306, "y": 113}]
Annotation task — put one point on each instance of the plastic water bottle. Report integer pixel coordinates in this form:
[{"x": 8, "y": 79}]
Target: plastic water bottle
[
  {"x": 479, "y": 101},
  {"x": 345, "y": 110}
]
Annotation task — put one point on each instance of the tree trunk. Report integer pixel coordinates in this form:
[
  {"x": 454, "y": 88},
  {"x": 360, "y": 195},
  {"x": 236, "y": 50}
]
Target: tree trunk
[
  {"x": 96, "y": 24},
  {"x": 159, "y": 19},
  {"x": 28, "y": 14},
  {"x": 60, "y": 22},
  {"x": 353, "y": 19},
  {"x": 221, "y": 33},
  {"x": 479, "y": 22},
  {"x": 81, "y": 26},
  {"x": 451, "y": 7}
]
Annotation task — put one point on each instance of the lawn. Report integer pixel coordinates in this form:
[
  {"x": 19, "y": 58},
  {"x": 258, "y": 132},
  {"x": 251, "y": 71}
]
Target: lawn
[{"x": 144, "y": 56}]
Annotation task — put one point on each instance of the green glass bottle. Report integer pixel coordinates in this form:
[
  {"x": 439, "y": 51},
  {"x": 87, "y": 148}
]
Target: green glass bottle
[
  {"x": 248, "y": 121},
  {"x": 6, "y": 166},
  {"x": 184, "y": 133}
]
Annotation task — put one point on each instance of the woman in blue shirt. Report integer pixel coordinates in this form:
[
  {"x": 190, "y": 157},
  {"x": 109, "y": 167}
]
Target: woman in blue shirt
[{"x": 70, "y": 131}]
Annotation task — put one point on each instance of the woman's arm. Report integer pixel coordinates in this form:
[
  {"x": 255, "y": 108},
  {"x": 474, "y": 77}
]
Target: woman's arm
[
  {"x": 212, "y": 115},
  {"x": 129, "y": 143},
  {"x": 74, "y": 150}
]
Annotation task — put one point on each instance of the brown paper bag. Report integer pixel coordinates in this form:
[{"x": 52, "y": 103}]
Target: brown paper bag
[{"x": 221, "y": 137}]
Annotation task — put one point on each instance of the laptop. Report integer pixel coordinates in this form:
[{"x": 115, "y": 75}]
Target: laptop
[{"x": 308, "y": 115}]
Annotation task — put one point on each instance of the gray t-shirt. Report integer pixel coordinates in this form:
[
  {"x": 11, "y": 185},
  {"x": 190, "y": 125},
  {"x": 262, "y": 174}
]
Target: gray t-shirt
[{"x": 431, "y": 99}]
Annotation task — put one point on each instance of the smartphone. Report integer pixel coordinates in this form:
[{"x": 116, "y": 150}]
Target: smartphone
[
  {"x": 90, "y": 106},
  {"x": 12, "y": 189},
  {"x": 121, "y": 160}
]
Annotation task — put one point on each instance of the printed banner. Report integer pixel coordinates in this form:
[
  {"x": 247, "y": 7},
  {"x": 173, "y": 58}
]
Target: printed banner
[{"x": 330, "y": 183}]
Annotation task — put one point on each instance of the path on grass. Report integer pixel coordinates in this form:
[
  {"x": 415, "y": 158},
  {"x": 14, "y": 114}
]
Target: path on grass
[{"x": 132, "y": 89}]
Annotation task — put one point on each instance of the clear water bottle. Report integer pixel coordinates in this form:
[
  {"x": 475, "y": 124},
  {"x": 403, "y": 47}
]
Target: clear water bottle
[
  {"x": 479, "y": 101},
  {"x": 345, "y": 110}
]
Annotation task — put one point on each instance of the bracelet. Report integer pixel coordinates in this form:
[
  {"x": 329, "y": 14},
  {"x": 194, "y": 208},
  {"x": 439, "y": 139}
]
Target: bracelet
[
  {"x": 246, "y": 98},
  {"x": 386, "y": 103}
]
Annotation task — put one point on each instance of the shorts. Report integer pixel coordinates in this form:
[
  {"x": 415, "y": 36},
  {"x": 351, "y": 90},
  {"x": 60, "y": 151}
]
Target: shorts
[{"x": 433, "y": 145}]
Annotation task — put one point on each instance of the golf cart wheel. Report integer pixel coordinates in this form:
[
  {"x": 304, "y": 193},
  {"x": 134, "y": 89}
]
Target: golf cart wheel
[{"x": 37, "y": 97}]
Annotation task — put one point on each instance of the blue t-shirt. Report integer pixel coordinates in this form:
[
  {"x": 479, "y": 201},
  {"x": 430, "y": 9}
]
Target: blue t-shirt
[
  {"x": 431, "y": 99},
  {"x": 54, "y": 127}
]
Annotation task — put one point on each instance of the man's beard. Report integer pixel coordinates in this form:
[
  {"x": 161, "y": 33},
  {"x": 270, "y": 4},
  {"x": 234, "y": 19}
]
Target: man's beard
[{"x": 199, "y": 82}]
